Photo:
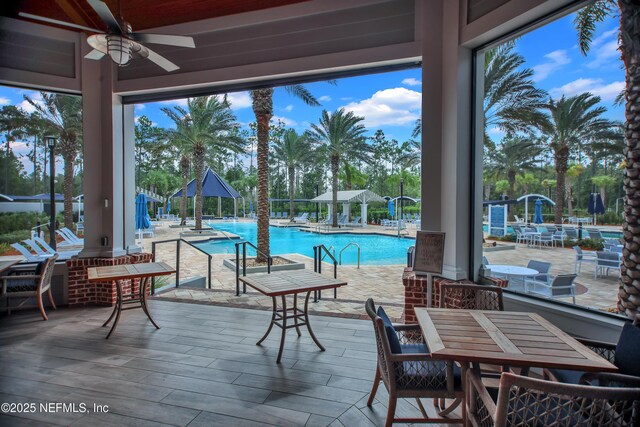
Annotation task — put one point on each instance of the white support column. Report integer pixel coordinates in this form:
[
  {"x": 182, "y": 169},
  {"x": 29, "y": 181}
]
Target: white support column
[
  {"x": 446, "y": 74},
  {"x": 363, "y": 214},
  {"x": 106, "y": 201},
  {"x": 346, "y": 209},
  {"x": 129, "y": 184}
]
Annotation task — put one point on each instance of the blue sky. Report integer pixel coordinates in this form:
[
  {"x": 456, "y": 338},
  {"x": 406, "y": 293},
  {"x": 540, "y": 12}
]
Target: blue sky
[{"x": 391, "y": 101}]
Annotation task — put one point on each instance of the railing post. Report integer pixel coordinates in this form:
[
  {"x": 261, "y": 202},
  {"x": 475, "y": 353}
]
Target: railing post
[
  {"x": 177, "y": 263},
  {"x": 244, "y": 265},
  {"x": 269, "y": 261},
  {"x": 209, "y": 272},
  {"x": 153, "y": 258},
  {"x": 237, "y": 269}
]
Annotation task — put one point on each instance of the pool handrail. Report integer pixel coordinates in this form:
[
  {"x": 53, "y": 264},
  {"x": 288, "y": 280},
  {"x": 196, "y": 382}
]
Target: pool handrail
[{"x": 348, "y": 245}]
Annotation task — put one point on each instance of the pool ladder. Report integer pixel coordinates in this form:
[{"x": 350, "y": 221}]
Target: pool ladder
[{"x": 343, "y": 249}]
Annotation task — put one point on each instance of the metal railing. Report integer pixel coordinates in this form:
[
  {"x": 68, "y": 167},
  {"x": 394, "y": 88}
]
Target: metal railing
[
  {"x": 244, "y": 263},
  {"x": 178, "y": 243},
  {"x": 318, "y": 257},
  {"x": 343, "y": 249}
]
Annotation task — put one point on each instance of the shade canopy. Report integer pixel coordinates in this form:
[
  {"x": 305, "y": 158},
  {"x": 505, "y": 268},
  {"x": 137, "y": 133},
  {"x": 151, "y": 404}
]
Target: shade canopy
[
  {"x": 40, "y": 197},
  {"x": 212, "y": 186},
  {"x": 350, "y": 196}
]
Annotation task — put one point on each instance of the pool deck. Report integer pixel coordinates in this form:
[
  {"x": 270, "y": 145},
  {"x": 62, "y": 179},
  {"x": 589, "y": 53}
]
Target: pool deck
[{"x": 381, "y": 282}]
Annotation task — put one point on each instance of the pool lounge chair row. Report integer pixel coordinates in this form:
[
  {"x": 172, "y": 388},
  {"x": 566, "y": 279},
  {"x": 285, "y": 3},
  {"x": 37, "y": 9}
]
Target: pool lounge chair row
[
  {"x": 41, "y": 250},
  {"x": 279, "y": 215}
]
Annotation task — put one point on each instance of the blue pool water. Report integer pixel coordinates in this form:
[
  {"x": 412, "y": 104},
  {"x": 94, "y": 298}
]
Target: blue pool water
[
  {"x": 374, "y": 249},
  {"x": 607, "y": 234}
]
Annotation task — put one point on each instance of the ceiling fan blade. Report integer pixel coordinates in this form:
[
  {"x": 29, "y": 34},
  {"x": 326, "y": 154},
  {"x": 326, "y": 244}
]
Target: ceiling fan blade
[
  {"x": 182, "y": 41},
  {"x": 161, "y": 61},
  {"x": 55, "y": 21},
  {"x": 94, "y": 54},
  {"x": 105, "y": 14}
]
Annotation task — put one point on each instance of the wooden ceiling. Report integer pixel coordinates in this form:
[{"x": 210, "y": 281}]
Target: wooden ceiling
[{"x": 141, "y": 14}]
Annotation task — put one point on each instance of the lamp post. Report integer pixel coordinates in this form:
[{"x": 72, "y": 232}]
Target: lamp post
[
  {"x": 51, "y": 143},
  {"x": 317, "y": 204}
]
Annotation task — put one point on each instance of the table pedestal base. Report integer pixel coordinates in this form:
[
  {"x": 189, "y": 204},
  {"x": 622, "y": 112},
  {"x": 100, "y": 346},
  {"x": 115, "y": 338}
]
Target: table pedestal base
[
  {"x": 141, "y": 299},
  {"x": 281, "y": 316}
]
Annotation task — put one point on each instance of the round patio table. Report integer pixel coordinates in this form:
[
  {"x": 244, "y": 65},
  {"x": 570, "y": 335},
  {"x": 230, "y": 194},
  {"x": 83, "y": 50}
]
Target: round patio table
[{"x": 512, "y": 270}]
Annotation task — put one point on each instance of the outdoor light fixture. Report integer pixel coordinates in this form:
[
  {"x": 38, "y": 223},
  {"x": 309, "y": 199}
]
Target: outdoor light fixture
[
  {"x": 51, "y": 143},
  {"x": 119, "y": 49}
]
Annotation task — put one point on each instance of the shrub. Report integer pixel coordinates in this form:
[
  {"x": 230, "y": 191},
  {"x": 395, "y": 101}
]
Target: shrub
[
  {"x": 14, "y": 236},
  {"x": 5, "y": 248},
  {"x": 507, "y": 238},
  {"x": 14, "y": 221}
]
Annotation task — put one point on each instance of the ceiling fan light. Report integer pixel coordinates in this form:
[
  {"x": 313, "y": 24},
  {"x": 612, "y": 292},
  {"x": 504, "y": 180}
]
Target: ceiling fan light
[{"x": 119, "y": 49}]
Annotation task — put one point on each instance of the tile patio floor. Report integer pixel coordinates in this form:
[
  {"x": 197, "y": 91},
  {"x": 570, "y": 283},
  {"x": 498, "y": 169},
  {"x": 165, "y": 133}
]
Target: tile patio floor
[{"x": 202, "y": 368}]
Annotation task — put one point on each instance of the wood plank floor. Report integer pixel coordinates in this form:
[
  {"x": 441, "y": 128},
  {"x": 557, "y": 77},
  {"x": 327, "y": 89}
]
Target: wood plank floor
[{"x": 201, "y": 369}]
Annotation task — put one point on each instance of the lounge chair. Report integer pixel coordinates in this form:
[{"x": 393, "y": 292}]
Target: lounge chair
[
  {"x": 70, "y": 239},
  {"x": 302, "y": 219},
  {"x": 583, "y": 257},
  {"x": 272, "y": 215},
  {"x": 27, "y": 254},
  {"x": 571, "y": 233},
  {"x": 285, "y": 215},
  {"x": 50, "y": 250},
  {"x": 355, "y": 223},
  {"x": 595, "y": 234},
  {"x": 606, "y": 261},
  {"x": 561, "y": 286}
]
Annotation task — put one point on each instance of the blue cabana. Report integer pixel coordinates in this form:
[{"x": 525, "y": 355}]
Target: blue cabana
[{"x": 213, "y": 185}]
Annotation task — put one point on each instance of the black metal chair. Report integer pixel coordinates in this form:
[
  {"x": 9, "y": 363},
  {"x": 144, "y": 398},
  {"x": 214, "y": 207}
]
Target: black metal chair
[{"x": 407, "y": 370}]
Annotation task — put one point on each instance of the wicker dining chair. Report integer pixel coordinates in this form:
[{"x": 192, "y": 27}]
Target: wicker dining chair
[
  {"x": 471, "y": 296},
  {"x": 27, "y": 286},
  {"x": 407, "y": 370},
  {"x": 524, "y": 401},
  {"x": 623, "y": 354}
]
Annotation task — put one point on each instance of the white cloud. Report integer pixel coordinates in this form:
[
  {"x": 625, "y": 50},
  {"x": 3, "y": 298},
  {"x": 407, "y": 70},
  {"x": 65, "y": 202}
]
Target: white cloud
[
  {"x": 395, "y": 106},
  {"x": 285, "y": 120},
  {"x": 175, "y": 102},
  {"x": 606, "y": 53},
  {"x": 604, "y": 37},
  {"x": 4, "y": 101},
  {"x": 36, "y": 97},
  {"x": 239, "y": 100},
  {"x": 139, "y": 107},
  {"x": 495, "y": 131},
  {"x": 288, "y": 108},
  {"x": 606, "y": 91},
  {"x": 555, "y": 61},
  {"x": 324, "y": 98},
  {"x": 346, "y": 98},
  {"x": 410, "y": 81}
]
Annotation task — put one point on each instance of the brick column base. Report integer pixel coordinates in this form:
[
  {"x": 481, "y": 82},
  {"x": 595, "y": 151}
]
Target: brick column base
[{"x": 82, "y": 292}]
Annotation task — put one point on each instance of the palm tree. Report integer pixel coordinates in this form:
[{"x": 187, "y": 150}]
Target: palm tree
[
  {"x": 294, "y": 151},
  {"x": 63, "y": 116},
  {"x": 342, "y": 136},
  {"x": 206, "y": 124},
  {"x": 585, "y": 22},
  {"x": 513, "y": 157},
  {"x": 262, "y": 103},
  {"x": 12, "y": 125},
  {"x": 573, "y": 172},
  {"x": 511, "y": 99},
  {"x": 413, "y": 156},
  {"x": 572, "y": 121}
]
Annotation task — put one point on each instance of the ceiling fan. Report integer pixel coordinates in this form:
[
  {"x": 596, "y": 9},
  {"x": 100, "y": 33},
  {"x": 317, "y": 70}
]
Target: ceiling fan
[{"x": 120, "y": 42}]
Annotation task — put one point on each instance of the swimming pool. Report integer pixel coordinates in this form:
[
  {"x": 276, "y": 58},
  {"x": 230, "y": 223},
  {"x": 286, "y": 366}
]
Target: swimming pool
[
  {"x": 374, "y": 249},
  {"x": 606, "y": 234}
]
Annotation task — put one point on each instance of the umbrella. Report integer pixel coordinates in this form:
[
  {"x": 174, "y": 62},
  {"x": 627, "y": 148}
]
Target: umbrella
[
  {"x": 599, "y": 208},
  {"x": 250, "y": 206},
  {"x": 537, "y": 215},
  {"x": 142, "y": 214},
  {"x": 392, "y": 208},
  {"x": 168, "y": 206},
  {"x": 591, "y": 208}
]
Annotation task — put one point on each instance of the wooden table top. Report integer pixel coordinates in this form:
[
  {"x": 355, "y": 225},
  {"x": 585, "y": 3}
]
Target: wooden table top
[
  {"x": 5, "y": 265},
  {"x": 504, "y": 338},
  {"x": 127, "y": 271},
  {"x": 289, "y": 282}
]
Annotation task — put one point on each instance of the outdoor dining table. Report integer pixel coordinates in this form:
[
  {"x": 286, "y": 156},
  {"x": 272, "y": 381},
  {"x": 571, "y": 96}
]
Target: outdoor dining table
[
  {"x": 120, "y": 273},
  {"x": 504, "y": 338},
  {"x": 284, "y": 283},
  {"x": 509, "y": 271}
]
